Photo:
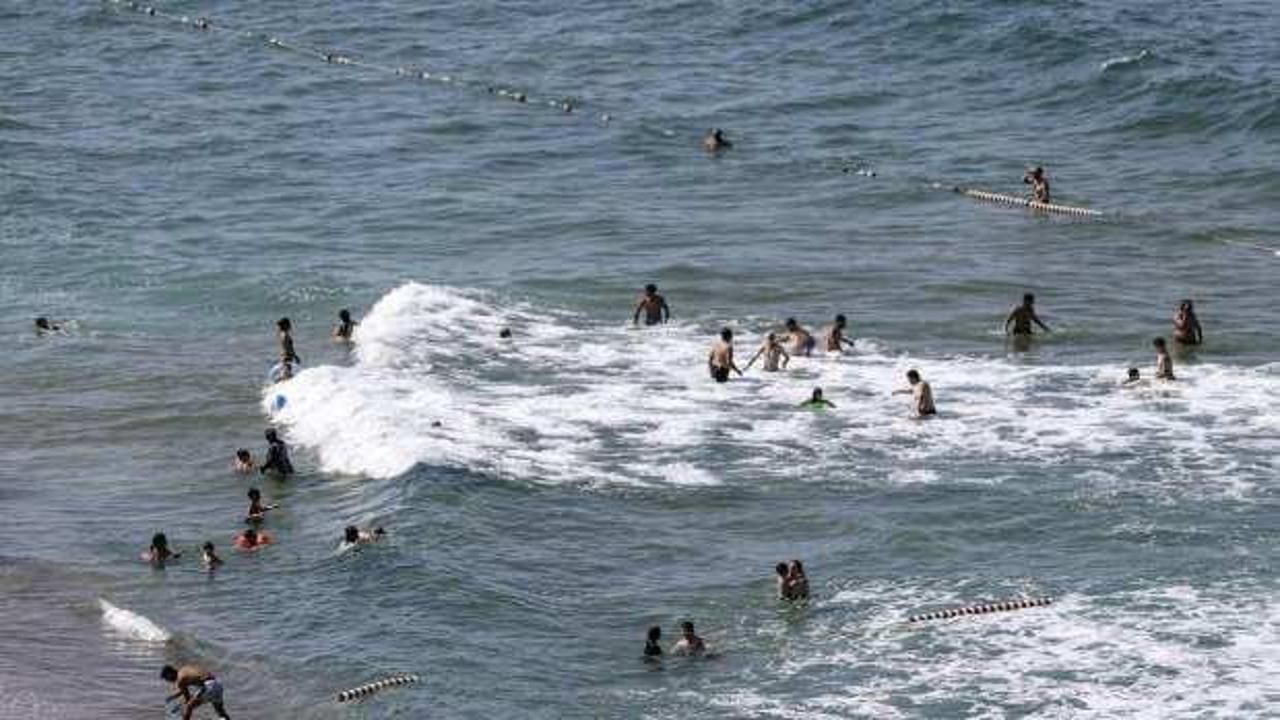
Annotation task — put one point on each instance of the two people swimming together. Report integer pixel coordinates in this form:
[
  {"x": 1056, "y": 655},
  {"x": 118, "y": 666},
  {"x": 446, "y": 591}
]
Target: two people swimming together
[{"x": 689, "y": 644}]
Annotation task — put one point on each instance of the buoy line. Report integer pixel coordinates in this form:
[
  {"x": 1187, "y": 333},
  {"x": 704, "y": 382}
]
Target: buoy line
[
  {"x": 363, "y": 691},
  {"x": 1007, "y": 605}
]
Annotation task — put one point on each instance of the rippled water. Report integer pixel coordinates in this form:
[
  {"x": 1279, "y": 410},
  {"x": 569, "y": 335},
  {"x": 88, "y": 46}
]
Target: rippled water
[{"x": 171, "y": 192}]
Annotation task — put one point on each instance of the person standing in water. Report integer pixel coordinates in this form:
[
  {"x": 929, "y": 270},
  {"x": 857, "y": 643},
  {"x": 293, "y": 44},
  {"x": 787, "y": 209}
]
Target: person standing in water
[
  {"x": 715, "y": 141},
  {"x": 801, "y": 340},
  {"x": 835, "y": 335},
  {"x": 921, "y": 395},
  {"x": 210, "y": 557},
  {"x": 817, "y": 402},
  {"x": 1164, "y": 363},
  {"x": 1186, "y": 326},
  {"x": 342, "y": 331},
  {"x": 277, "y": 461},
  {"x": 244, "y": 462},
  {"x": 652, "y": 648},
  {"x": 689, "y": 645},
  {"x": 653, "y": 305},
  {"x": 1021, "y": 318},
  {"x": 1039, "y": 185},
  {"x": 159, "y": 552},
  {"x": 773, "y": 352},
  {"x": 208, "y": 689},
  {"x": 287, "y": 354},
  {"x": 720, "y": 359}
]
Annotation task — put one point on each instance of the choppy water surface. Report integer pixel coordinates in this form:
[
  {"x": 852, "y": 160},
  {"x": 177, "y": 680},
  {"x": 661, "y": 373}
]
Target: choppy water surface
[{"x": 172, "y": 192}]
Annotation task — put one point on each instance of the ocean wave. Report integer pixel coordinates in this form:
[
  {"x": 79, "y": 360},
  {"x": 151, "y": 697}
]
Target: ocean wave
[
  {"x": 131, "y": 624},
  {"x": 1126, "y": 61}
]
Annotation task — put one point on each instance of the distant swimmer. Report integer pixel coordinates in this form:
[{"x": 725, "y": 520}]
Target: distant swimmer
[
  {"x": 801, "y": 340},
  {"x": 715, "y": 141},
  {"x": 797, "y": 581},
  {"x": 921, "y": 395},
  {"x": 835, "y": 335},
  {"x": 351, "y": 535},
  {"x": 44, "y": 326},
  {"x": 773, "y": 352},
  {"x": 652, "y": 648},
  {"x": 342, "y": 331},
  {"x": 210, "y": 557},
  {"x": 206, "y": 687},
  {"x": 244, "y": 463},
  {"x": 287, "y": 355},
  {"x": 1134, "y": 377},
  {"x": 720, "y": 359},
  {"x": 251, "y": 539},
  {"x": 159, "y": 552},
  {"x": 277, "y": 461},
  {"x": 1164, "y": 363},
  {"x": 817, "y": 402},
  {"x": 653, "y": 305},
  {"x": 1021, "y": 318},
  {"x": 689, "y": 645},
  {"x": 784, "y": 591},
  {"x": 1039, "y": 185},
  {"x": 257, "y": 511},
  {"x": 1186, "y": 326},
  {"x": 504, "y": 334}
]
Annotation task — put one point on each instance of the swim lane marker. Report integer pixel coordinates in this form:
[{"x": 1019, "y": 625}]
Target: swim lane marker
[
  {"x": 982, "y": 609},
  {"x": 991, "y": 197},
  {"x": 364, "y": 691}
]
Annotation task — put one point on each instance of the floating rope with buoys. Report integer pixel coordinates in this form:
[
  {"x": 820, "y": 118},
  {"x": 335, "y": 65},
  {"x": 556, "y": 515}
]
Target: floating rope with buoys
[
  {"x": 364, "y": 691},
  {"x": 992, "y": 197},
  {"x": 1007, "y": 605}
]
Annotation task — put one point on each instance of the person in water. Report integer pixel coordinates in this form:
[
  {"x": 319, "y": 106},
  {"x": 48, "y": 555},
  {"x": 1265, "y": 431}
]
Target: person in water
[
  {"x": 1164, "y": 363},
  {"x": 277, "y": 461},
  {"x": 209, "y": 557},
  {"x": 1186, "y": 326},
  {"x": 784, "y": 590},
  {"x": 802, "y": 342},
  {"x": 43, "y": 326},
  {"x": 817, "y": 402},
  {"x": 159, "y": 552},
  {"x": 1134, "y": 377},
  {"x": 504, "y": 334},
  {"x": 653, "y": 305},
  {"x": 257, "y": 511},
  {"x": 244, "y": 462},
  {"x": 1039, "y": 185},
  {"x": 342, "y": 331},
  {"x": 921, "y": 395},
  {"x": 720, "y": 359},
  {"x": 715, "y": 141},
  {"x": 351, "y": 535},
  {"x": 835, "y": 335},
  {"x": 773, "y": 352},
  {"x": 207, "y": 689},
  {"x": 652, "y": 648},
  {"x": 797, "y": 581},
  {"x": 1020, "y": 318},
  {"x": 251, "y": 539},
  {"x": 689, "y": 644},
  {"x": 287, "y": 354}
]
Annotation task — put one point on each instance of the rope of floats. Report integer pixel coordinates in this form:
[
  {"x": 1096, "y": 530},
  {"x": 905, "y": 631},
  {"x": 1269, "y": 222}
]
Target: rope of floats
[
  {"x": 363, "y": 691},
  {"x": 1007, "y": 605}
]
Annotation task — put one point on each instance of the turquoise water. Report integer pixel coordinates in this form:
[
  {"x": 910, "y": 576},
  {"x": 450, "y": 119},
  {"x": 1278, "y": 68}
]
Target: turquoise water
[{"x": 172, "y": 192}]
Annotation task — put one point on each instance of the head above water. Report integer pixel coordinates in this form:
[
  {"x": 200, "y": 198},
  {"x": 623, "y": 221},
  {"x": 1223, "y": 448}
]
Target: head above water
[
  {"x": 1037, "y": 172},
  {"x": 1134, "y": 374},
  {"x": 344, "y": 315},
  {"x": 655, "y": 634},
  {"x": 1158, "y": 343},
  {"x": 284, "y": 325},
  {"x": 840, "y": 321},
  {"x": 650, "y": 289},
  {"x": 350, "y": 534},
  {"x": 243, "y": 455},
  {"x": 791, "y": 324},
  {"x": 817, "y": 393},
  {"x": 797, "y": 567},
  {"x": 686, "y": 627},
  {"x": 250, "y": 535},
  {"x": 1186, "y": 305},
  {"x": 169, "y": 673},
  {"x": 254, "y": 494},
  {"x": 726, "y": 335},
  {"x": 208, "y": 547},
  {"x": 913, "y": 376},
  {"x": 1029, "y": 299},
  {"x": 505, "y": 333},
  {"x": 270, "y": 435},
  {"x": 42, "y": 323},
  {"x": 159, "y": 541},
  {"x": 781, "y": 569}
]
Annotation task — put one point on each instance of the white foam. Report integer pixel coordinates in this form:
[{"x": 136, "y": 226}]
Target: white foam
[
  {"x": 568, "y": 400},
  {"x": 130, "y": 624}
]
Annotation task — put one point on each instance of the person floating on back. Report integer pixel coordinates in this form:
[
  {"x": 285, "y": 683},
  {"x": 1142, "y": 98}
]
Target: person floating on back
[
  {"x": 652, "y": 648},
  {"x": 720, "y": 359},
  {"x": 689, "y": 644},
  {"x": 277, "y": 461},
  {"x": 1039, "y": 185},
  {"x": 921, "y": 395},
  {"x": 801, "y": 340},
  {"x": 715, "y": 141},
  {"x": 835, "y": 335},
  {"x": 653, "y": 305},
  {"x": 208, "y": 689},
  {"x": 1164, "y": 363},
  {"x": 773, "y": 353},
  {"x": 1186, "y": 326},
  {"x": 287, "y": 355},
  {"x": 1021, "y": 318},
  {"x": 817, "y": 402},
  {"x": 342, "y": 331}
]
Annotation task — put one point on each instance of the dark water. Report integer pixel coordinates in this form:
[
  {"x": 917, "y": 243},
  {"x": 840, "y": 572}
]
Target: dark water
[{"x": 172, "y": 192}]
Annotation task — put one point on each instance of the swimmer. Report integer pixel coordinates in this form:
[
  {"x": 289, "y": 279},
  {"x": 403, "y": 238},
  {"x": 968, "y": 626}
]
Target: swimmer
[
  {"x": 720, "y": 359},
  {"x": 353, "y": 536},
  {"x": 159, "y": 551},
  {"x": 921, "y": 395},
  {"x": 715, "y": 141},
  {"x": 651, "y": 647},
  {"x": 287, "y": 355},
  {"x": 209, "y": 557},
  {"x": 1134, "y": 377},
  {"x": 817, "y": 402},
  {"x": 1039, "y": 185},
  {"x": 43, "y": 326},
  {"x": 784, "y": 591},
  {"x": 277, "y": 456},
  {"x": 257, "y": 511},
  {"x": 773, "y": 352},
  {"x": 251, "y": 539},
  {"x": 1164, "y": 363},
  {"x": 1023, "y": 316},
  {"x": 689, "y": 645},
  {"x": 835, "y": 335},
  {"x": 653, "y": 305},
  {"x": 504, "y": 333},
  {"x": 342, "y": 331},
  {"x": 1186, "y": 326},
  {"x": 208, "y": 689},
  {"x": 244, "y": 463},
  {"x": 797, "y": 581},
  {"x": 801, "y": 340}
]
